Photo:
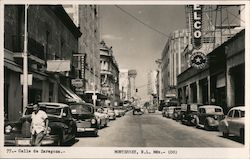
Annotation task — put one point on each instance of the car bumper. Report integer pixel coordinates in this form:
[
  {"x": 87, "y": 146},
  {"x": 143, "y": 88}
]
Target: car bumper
[
  {"x": 79, "y": 130},
  {"x": 20, "y": 141}
]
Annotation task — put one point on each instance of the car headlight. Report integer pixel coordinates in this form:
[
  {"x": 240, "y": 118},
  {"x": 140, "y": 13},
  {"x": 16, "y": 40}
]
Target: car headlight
[
  {"x": 93, "y": 121},
  {"x": 8, "y": 129},
  {"x": 215, "y": 117}
]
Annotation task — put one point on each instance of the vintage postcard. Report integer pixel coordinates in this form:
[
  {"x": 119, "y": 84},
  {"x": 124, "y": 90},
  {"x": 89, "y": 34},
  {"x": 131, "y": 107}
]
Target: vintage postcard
[{"x": 124, "y": 79}]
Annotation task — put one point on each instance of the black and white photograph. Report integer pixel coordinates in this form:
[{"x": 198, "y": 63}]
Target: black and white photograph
[{"x": 124, "y": 79}]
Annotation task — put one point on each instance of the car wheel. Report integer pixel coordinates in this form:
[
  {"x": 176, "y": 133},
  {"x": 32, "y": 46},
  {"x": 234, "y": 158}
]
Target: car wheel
[
  {"x": 206, "y": 126},
  {"x": 95, "y": 133},
  {"x": 242, "y": 134},
  {"x": 225, "y": 134},
  {"x": 60, "y": 140}
]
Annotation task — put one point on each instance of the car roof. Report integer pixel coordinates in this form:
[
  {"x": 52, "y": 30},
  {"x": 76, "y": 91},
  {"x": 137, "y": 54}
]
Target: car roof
[
  {"x": 238, "y": 108},
  {"x": 211, "y": 106},
  {"x": 51, "y": 104}
]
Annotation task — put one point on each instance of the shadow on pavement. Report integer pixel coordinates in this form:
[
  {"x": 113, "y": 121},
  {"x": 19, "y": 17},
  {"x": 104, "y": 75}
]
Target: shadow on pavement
[{"x": 234, "y": 138}]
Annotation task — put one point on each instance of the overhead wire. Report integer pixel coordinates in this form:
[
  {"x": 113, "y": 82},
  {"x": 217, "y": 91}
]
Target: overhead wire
[{"x": 140, "y": 21}]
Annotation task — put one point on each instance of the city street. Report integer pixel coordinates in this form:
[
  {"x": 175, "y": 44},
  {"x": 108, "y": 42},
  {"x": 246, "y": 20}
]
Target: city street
[{"x": 152, "y": 130}]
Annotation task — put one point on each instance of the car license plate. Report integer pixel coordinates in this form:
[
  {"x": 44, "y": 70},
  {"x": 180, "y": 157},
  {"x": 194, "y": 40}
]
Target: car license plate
[{"x": 22, "y": 141}]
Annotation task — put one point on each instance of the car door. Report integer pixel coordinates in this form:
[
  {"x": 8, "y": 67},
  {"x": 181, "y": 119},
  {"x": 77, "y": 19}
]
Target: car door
[
  {"x": 229, "y": 120},
  {"x": 234, "y": 126},
  {"x": 68, "y": 120},
  {"x": 201, "y": 115}
]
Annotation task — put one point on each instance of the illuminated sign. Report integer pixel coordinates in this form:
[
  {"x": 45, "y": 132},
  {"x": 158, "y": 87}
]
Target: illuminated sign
[
  {"x": 197, "y": 26},
  {"x": 198, "y": 60}
]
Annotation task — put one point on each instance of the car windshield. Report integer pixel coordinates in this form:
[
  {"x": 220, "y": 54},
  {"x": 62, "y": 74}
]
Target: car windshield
[
  {"x": 212, "y": 110},
  {"x": 49, "y": 110},
  {"x": 81, "y": 109}
]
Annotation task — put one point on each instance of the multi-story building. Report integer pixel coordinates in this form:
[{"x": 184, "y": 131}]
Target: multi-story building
[
  {"x": 109, "y": 74},
  {"x": 123, "y": 84},
  {"x": 153, "y": 85},
  {"x": 87, "y": 18},
  {"x": 52, "y": 38},
  {"x": 172, "y": 62}
]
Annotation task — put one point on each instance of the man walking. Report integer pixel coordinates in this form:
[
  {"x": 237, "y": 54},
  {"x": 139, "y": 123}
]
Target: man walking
[{"x": 39, "y": 125}]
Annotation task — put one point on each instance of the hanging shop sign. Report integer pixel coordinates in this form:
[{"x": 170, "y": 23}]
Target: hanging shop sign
[
  {"x": 197, "y": 26},
  {"x": 77, "y": 82}
]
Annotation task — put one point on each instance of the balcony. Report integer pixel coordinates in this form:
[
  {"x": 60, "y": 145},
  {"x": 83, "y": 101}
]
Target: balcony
[{"x": 35, "y": 49}]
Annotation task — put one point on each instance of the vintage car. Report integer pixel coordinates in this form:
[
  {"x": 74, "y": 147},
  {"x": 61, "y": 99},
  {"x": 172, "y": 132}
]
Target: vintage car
[
  {"x": 137, "y": 109},
  {"x": 170, "y": 111},
  {"x": 208, "y": 116},
  {"x": 110, "y": 112},
  {"x": 234, "y": 122},
  {"x": 188, "y": 112},
  {"x": 102, "y": 118},
  {"x": 119, "y": 111},
  {"x": 61, "y": 127},
  {"x": 177, "y": 114},
  {"x": 151, "y": 109},
  {"x": 86, "y": 121}
]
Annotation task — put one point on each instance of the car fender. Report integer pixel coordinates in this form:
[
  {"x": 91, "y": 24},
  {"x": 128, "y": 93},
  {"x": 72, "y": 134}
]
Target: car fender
[
  {"x": 223, "y": 126},
  {"x": 197, "y": 120}
]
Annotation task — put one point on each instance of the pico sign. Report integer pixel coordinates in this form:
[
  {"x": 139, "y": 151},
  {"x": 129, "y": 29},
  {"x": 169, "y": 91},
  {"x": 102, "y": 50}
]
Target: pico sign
[{"x": 197, "y": 26}]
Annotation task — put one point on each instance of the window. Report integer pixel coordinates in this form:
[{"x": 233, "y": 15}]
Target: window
[
  {"x": 230, "y": 114},
  {"x": 236, "y": 114},
  {"x": 242, "y": 113}
]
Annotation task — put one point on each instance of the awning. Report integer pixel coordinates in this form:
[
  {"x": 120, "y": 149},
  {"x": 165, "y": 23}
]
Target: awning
[
  {"x": 70, "y": 96},
  {"x": 12, "y": 66}
]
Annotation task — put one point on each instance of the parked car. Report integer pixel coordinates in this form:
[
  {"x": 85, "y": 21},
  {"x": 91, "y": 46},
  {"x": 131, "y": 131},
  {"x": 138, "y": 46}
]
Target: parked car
[
  {"x": 61, "y": 128},
  {"x": 102, "y": 118},
  {"x": 188, "y": 112},
  {"x": 164, "y": 111},
  {"x": 86, "y": 121},
  {"x": 111, "y": 113},
  {"x": 177, "y": 114},
  {"x": 170, "y": 112},
  {"x": 234, "y": 122},
  {"x": 208, "y": 116},
  {"x": 151, "y": 110}
]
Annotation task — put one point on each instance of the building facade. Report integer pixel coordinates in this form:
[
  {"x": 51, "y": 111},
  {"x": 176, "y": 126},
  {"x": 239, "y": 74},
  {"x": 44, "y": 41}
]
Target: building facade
[
  {"x": 51, "y": 36},
  {"x": 123, "y": 84},
  {"x": 173, "y": 60},
  {"x": 222, "y": 82},
  {"x": 153, "y": 85},
  {"x": 109, "y": 75}
]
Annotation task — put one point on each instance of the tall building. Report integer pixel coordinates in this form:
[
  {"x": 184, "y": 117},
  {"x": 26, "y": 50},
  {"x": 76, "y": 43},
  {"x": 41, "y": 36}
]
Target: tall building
[
  {"x": 109, "y": 74},
  {"x": 172, "y": 62},
  {"x": 152, "y": 85},
  {"x": 131, "y": 84},
  {"x": 88, "y": 55},
  {"x": 123, "y": 85}
]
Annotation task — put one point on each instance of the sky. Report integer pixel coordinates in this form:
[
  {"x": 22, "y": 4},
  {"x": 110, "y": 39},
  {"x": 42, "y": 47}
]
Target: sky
[{"x": 136, "y": 46}]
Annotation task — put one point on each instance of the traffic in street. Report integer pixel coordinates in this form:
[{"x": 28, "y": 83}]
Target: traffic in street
[{"x": 152, "y": 130}]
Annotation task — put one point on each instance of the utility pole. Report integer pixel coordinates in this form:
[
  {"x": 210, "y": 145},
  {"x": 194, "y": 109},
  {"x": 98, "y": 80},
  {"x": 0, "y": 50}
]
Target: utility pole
[{"x": 25, "y": 59}]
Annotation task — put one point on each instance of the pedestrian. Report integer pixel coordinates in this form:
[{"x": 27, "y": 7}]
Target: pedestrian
[{"x": 39, "y": 125}]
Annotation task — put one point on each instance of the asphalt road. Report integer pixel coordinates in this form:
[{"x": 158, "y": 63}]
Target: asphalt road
[{"x": 153, "y": 130}]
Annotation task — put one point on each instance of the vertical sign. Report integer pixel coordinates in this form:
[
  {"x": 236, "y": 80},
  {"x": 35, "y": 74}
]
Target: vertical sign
[
  {"x": 198, "y": 59},
  {"x": 197, "y": 26}
]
